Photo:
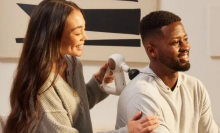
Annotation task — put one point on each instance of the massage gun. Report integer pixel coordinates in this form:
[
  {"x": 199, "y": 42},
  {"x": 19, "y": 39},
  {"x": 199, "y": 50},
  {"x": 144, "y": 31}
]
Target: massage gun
[{"x": 117, "y": 65}]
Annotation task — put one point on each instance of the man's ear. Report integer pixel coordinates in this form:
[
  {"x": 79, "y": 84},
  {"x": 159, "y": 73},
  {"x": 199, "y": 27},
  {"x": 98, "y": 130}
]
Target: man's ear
[{"x": 151, "y": 50}]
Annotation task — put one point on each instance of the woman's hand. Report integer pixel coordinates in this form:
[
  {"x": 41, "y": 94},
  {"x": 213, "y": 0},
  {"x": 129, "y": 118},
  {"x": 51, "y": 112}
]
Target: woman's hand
[
  {"x": 101, "y": 73},
  {"x": 143, "y": 125}
]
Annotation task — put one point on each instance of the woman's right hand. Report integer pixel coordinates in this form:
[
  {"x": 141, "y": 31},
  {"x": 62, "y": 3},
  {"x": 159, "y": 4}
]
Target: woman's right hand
[{"x": 143, "y": 125}]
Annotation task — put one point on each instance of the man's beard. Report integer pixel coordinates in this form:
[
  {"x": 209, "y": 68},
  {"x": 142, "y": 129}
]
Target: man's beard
[{"x": 172, "y": 63}]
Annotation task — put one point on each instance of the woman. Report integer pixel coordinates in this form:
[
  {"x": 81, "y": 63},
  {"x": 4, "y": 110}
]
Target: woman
[{"x": 48, "y": 92}]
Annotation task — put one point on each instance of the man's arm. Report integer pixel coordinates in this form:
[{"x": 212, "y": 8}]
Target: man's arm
[
  {"x": 149, "y": 107},
  {"x": 137, "y": 125},
  {"x": 206, "y": 123}
]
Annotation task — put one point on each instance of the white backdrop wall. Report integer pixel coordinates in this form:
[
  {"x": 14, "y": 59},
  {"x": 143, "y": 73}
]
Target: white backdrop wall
[{"x": 206, "y": 67}]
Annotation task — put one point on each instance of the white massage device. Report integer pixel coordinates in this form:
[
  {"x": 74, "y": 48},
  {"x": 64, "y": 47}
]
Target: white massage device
[{"x": 117, "y": 65}]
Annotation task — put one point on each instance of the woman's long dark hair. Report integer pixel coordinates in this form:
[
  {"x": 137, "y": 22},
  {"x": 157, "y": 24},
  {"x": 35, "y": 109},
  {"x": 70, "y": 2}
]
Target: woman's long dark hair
[{"x": 41, "y": 49}]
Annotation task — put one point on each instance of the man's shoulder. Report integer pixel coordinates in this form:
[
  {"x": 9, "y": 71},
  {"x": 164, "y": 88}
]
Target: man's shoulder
[
  {"x": 140, "y": 80},
  {"x": 188, "y": 79},
  {"x": 142, "y": 84},
  {"x": 192, "y": 84}
]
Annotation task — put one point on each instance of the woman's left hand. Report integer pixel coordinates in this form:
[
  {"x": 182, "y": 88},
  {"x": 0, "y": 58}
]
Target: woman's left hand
[{"x": 101, "y": 73}]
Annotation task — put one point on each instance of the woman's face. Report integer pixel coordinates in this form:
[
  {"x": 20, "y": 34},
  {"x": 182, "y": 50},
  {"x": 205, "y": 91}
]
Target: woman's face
[{"x": 74, "y": 35}]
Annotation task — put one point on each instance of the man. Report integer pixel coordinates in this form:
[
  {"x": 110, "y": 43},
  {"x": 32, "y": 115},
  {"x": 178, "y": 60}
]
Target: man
[{"x": 180, "y": 101}]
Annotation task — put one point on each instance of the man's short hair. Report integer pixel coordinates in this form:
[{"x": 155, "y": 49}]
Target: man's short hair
[{"x": 151, "y": 24}]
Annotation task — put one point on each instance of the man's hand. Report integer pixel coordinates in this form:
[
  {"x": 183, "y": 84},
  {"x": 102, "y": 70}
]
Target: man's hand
[
  {"x": 143, "y": 125},
  {"x": 101, "y": 73}
]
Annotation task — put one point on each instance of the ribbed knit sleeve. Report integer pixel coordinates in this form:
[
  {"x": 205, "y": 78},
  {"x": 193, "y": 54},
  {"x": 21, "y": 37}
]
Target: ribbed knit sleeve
[
  {"x": 94, "y": 92},
  {"x": 55, "y": 122}
]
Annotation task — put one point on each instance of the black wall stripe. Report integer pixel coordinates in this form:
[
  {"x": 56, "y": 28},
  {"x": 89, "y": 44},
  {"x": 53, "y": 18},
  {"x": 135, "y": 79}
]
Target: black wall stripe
[
  {"x": 113, "y": 20},
  {"x": 19, "y": 40},
  {"x": 27, "y": 8},
  {"x": 114, "y": 42},
  {"x": 106, "y": 20}
]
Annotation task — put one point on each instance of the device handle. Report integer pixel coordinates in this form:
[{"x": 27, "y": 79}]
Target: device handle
[{"x": 119, "y": 83}]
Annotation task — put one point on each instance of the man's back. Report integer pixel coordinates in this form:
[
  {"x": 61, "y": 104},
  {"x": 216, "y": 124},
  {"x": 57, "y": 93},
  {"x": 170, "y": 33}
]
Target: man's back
[{"x": 186, "y": 109}]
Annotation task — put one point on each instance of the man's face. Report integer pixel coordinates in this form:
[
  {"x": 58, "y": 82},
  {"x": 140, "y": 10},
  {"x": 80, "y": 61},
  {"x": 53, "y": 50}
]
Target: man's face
[{"x": 173, "y": 48}]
